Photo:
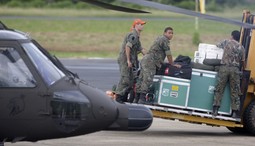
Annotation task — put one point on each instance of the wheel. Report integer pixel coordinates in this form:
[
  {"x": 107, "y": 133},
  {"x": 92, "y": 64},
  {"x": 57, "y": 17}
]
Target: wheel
[
  {"x": 238, "y": 130},
  {"x": 249, "y": 118}
]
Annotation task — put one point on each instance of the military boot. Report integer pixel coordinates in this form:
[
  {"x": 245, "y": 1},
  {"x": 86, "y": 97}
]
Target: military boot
[
  {"x": 125, "y": 97},
  {"x": 137, "y": 97},
  {"x": 142, "y": 98},
  {"x": 215, "y": 110},
  {"x": 119, "y": 98}
]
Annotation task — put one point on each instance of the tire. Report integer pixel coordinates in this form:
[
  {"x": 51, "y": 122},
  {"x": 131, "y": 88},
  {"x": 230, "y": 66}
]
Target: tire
[{"x": 249, "y": 118}]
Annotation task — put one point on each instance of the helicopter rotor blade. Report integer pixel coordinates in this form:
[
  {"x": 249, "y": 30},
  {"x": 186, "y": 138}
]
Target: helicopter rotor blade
[
  {"x": 188, "y": 12},
  {"x": 113, "y": 7}
]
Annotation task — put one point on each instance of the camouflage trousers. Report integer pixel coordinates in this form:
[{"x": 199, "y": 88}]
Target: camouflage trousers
[
  {"x": 145, "y": 80},
  {"x": 231, "y": 75},
  {"x": 126, "y": 79}
]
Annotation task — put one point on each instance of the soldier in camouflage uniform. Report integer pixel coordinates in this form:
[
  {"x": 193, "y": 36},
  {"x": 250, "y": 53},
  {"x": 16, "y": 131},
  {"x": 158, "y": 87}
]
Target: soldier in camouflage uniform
[
  {"x": 151, "y": 61},
  {"x": 128, "y": 60},
  {"x": 232, "y": 61}
]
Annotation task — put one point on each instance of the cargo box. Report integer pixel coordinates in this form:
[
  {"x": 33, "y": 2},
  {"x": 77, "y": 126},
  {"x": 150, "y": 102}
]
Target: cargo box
[
  {"x": 171, "y": 91},
  {"x": 201, "y": 93}
]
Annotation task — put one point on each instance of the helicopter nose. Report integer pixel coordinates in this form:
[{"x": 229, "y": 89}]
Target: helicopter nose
[
  {"x": 132, "y": 118},
  {"x": 139, "y": 117},
  {"x": 116, "y": 116}
]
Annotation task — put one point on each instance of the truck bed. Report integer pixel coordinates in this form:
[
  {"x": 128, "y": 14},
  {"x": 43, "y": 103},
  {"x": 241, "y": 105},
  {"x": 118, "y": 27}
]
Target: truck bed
[
  {"x": 193, "y": 116},
  {"x": 191, "y": 100}
]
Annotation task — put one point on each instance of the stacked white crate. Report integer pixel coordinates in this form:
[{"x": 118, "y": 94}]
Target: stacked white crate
[{"x": 207, "y": 51}]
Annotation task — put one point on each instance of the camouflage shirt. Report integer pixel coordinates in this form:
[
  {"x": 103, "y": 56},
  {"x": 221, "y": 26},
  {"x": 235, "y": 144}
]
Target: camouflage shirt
[
  {"x": 159, "y": 50},
  {"x": 234, "y": 53},
  {"x": 133, "y": 42}
]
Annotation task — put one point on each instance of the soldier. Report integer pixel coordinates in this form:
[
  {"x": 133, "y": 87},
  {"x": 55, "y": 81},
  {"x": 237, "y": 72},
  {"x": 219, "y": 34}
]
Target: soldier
[
  {"x": 153, "y": 60},
  {"x": 128, "y": 60},
  {"x": 232, "y": 61}
]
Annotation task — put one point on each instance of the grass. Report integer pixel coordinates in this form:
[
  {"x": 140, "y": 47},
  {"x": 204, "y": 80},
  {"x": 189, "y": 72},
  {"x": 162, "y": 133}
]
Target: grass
[{"x": 99, "y": 33}]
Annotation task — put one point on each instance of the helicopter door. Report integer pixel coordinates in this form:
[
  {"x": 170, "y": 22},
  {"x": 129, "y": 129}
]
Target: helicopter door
[{"x": 19, "y": 88}]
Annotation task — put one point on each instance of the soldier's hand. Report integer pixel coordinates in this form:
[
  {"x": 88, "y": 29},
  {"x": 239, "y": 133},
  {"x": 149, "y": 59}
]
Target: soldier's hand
[{"x": 177, "y": 65}]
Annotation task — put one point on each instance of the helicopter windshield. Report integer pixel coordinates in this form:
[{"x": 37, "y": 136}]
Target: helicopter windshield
[
  {"x": 14, "y": 72},
  {"x": 49, "y": 72}
]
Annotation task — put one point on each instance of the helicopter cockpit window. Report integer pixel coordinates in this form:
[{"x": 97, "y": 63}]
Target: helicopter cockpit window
[
  {"x": 49, "y": 72},
  {"x": 13, "y": 70}
]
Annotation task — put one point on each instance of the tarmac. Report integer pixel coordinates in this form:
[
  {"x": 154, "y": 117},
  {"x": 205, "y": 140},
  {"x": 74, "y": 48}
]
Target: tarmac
[{"x": 162, "y": 132}]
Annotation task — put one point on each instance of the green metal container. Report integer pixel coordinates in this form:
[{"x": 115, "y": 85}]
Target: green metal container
[
  {"x": 170, "y": 91},
  {"x": 201, "y": 93}
]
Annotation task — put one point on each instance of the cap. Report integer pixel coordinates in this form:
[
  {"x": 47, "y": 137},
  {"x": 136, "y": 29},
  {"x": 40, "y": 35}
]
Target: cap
[{"x": 138, "y": 21}]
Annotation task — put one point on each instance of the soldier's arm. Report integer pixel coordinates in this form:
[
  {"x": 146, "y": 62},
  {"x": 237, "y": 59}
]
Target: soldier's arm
[
  {"x": 130, "y": 42},
  {"x": 165, "y": 46},
  {"x": 143, "y": 51},
  {"x": 169, "y": 56},
  {"x": 170, "y": 59},
  {"x": 127, "y": 50},
  {"x": 222, "y": 44}
]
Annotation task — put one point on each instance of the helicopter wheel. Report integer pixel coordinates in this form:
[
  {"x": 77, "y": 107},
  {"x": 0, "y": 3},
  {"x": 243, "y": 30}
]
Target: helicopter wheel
[{"x": 249, "y": 118}]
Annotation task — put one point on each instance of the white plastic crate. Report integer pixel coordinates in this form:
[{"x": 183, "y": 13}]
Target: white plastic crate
[{"x": 207, "y": 51}]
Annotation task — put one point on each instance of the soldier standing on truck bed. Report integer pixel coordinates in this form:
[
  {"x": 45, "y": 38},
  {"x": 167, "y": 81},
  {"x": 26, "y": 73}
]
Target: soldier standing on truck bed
[
  {"x": 128, "y": 60},
  {"x": 233, "y": 59},
  {"x": 153, "y": 60}
]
